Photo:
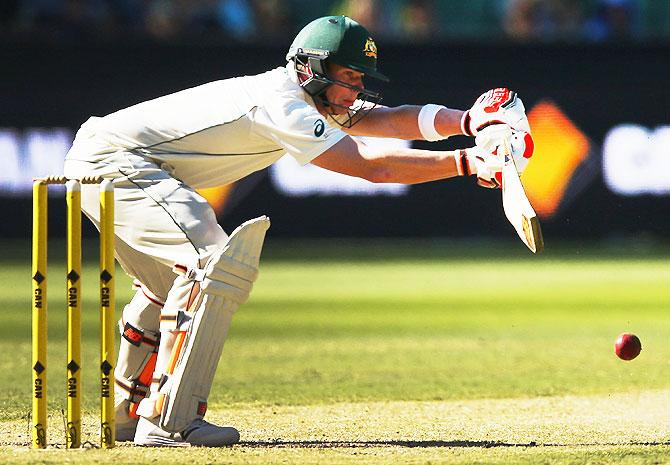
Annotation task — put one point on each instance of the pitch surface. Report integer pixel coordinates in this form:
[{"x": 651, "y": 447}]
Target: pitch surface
[{"x": 387, "y": 353}]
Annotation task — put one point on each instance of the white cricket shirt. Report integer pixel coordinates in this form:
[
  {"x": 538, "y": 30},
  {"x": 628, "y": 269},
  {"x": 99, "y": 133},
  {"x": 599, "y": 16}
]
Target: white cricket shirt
[{"x": 213, "y": 134}]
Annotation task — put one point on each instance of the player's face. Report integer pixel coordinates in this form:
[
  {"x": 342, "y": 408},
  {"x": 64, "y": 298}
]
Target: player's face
[{"x": 343, "y": 97}]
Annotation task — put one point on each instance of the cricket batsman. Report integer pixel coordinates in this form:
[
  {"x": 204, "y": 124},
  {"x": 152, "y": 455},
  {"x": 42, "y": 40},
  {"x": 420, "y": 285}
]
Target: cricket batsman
[{"x": 190, "y": 276}]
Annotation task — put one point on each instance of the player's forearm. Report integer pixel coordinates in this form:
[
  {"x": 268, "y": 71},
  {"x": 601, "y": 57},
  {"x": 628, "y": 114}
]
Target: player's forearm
[
  {"x": 383, "y": 165},
  {"x": 410, "y": 166},
  {"x": 403, "y": 123},
  {"x": 448, "y": 122}
]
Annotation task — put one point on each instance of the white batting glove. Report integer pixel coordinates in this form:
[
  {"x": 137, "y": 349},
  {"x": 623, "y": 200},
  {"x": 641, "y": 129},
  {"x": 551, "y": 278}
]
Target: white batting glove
[
  {"x": 496, "y": 106},
  {"x": 477, "y": 161},
  {"x": 520, "y": 143}
]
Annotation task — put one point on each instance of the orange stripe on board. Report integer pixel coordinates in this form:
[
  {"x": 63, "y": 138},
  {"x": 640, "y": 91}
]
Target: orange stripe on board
[
  {"x": 560, "y": 147},
  {"x": 217, "y": 196}
]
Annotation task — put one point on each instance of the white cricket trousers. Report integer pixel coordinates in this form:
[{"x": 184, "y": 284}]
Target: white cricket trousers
[{"x": 159, "y": 221}]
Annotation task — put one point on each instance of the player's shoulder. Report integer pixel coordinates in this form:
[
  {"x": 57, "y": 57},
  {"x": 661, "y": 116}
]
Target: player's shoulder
[
  {"x": 281, "y": 91},
  {"x": 275, "y": 79},
  {"x": 279, "y": 84}
]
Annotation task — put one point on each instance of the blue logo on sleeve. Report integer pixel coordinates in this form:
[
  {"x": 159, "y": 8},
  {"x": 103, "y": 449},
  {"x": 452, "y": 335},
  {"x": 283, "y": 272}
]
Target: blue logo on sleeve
[{"x": 319, "y": 127}]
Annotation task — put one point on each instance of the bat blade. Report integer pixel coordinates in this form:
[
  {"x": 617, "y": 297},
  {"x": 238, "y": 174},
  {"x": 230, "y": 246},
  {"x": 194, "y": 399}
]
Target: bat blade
[{"x": 518, "y": 209}]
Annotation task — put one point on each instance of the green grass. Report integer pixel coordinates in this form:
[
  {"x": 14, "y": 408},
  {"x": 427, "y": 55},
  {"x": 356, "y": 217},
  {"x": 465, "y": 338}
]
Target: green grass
[{"x": 334, "y": 328}]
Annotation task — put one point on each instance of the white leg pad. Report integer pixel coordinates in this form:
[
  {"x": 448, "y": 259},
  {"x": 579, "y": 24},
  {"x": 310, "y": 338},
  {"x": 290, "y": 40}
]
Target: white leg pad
[{"x": 225, "y": 283}]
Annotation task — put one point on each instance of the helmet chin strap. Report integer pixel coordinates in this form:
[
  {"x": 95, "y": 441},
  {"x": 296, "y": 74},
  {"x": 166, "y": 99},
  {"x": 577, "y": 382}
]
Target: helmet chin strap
[
  {"x": 350, "y": 116},
  {"x": 365, "y": 102},
  {"x": 311, "y": 76}
]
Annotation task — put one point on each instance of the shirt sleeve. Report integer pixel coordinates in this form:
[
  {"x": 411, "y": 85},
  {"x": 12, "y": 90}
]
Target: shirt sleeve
[{"x": 298, "y": 127}]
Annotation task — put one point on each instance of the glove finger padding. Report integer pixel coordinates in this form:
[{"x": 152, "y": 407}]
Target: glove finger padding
[
  {"x": 491, "y": 137},
  {"x": 495, "y": 106},
  {"x": 522, "y": 147},
  {"x": 520, "y": 143},
  {"x": 488, "y": 167}
]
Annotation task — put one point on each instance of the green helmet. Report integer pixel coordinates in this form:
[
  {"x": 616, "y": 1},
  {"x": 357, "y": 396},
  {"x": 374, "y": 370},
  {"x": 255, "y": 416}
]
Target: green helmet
[
  {"x": 339, "y": 40},
  {"x": 342, "y": 40}
]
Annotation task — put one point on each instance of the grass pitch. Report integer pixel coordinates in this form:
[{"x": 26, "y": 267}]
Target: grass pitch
[{"x": 398, "y": 352}]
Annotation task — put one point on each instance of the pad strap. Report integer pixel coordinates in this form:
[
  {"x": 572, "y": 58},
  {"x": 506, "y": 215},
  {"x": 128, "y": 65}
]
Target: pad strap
[
  {"x": 137, "y": 336},
  {"x": 135, "y": 390},
  {"x": 224, "y": 276}
]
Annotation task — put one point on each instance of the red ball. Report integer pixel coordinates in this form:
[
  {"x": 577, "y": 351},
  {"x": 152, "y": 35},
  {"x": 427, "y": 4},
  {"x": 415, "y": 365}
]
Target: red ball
[{"x": 627, "y": 346}]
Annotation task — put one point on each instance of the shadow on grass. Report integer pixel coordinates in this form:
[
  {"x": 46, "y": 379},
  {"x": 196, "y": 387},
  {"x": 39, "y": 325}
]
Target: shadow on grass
[
  {"x": 365, "y": 444},
  {"x": 426, "y": 444}
]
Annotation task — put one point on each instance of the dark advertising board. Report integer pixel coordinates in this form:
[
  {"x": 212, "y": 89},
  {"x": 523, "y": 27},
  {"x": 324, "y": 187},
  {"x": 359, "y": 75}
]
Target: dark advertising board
[{"x": 599, "y": 117}]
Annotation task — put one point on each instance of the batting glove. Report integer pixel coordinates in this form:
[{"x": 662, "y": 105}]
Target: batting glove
[
  {"x": 496, "y": 106},
  {"x": 520, "y": 143},
  {"x": 477, "y": 161}
]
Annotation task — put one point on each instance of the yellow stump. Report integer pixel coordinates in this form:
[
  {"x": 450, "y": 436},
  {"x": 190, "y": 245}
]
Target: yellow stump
[
  {"x": 39, "y": 315},
  {"x": 107, "y": 319},
  {"x": 74, "y": 389}
]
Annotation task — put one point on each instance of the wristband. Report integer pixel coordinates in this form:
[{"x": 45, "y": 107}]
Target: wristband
[{"x": 426, "y": 122}]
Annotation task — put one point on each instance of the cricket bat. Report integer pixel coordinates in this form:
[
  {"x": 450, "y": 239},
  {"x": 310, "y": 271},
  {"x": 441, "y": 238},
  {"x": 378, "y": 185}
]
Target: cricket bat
[{"x": 518, "y": 209}]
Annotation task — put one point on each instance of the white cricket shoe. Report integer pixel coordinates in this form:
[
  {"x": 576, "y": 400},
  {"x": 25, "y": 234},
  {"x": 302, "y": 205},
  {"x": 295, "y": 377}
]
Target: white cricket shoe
[
  {"x": 125, "y": 424},
  {"x": 199, "y": 433}
]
